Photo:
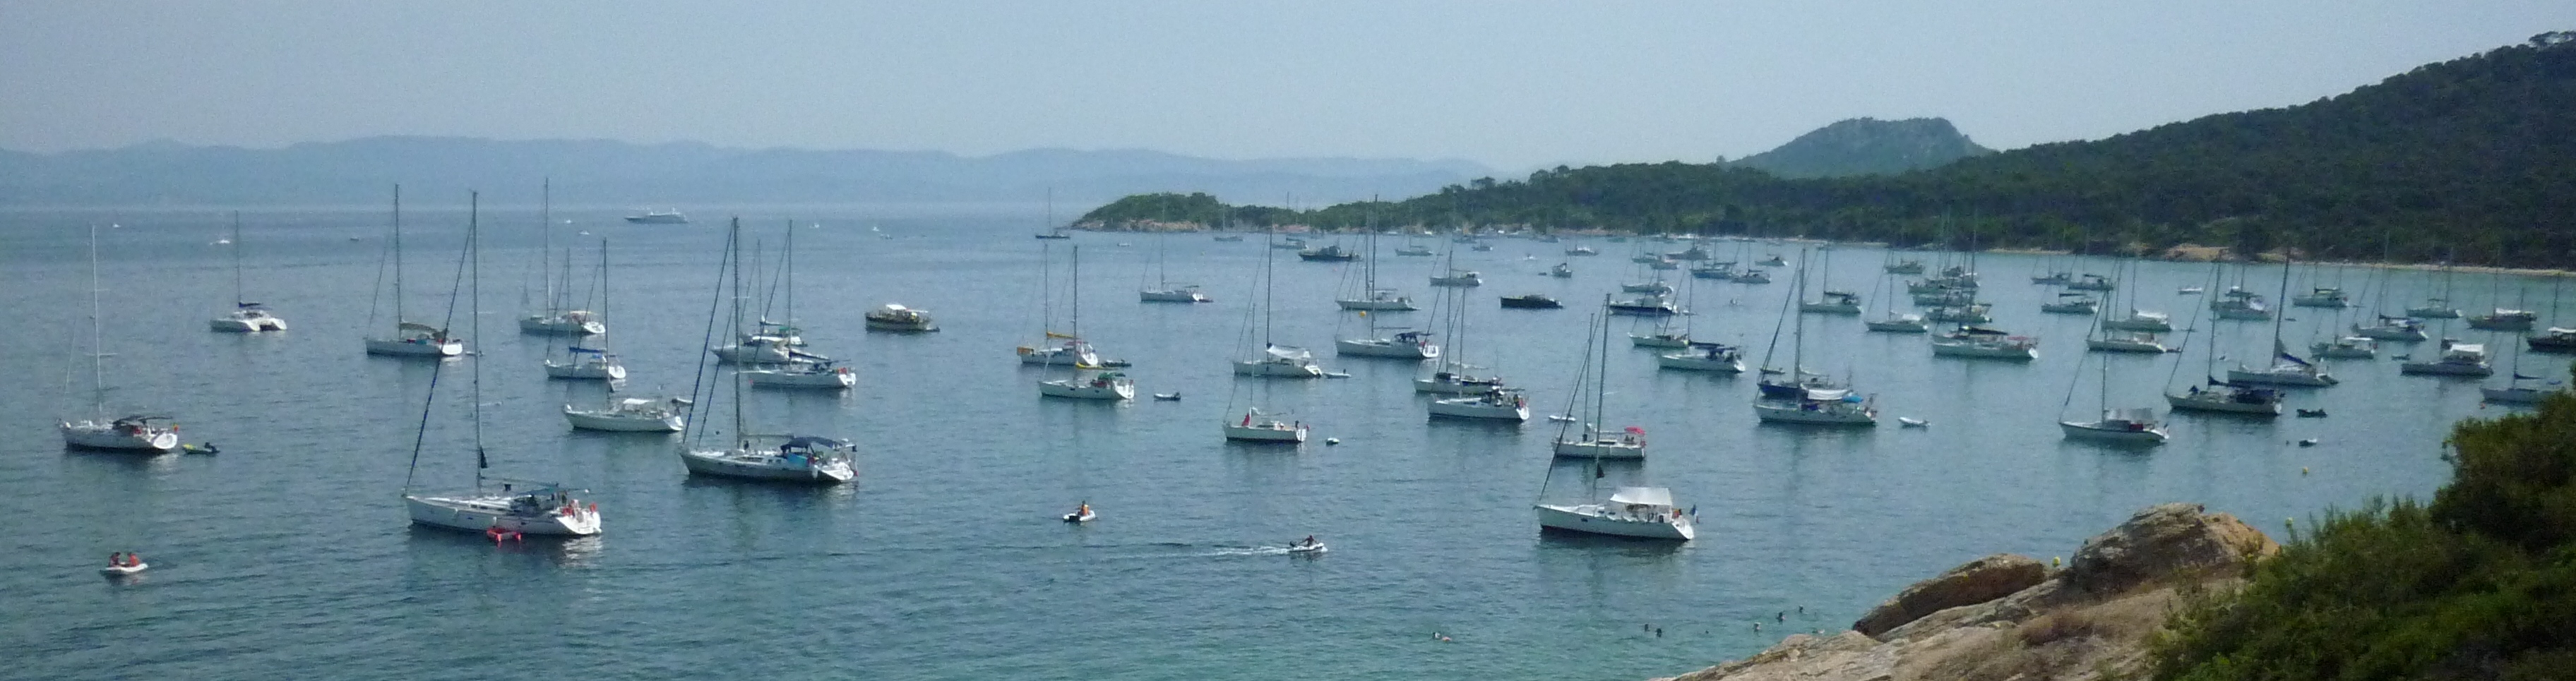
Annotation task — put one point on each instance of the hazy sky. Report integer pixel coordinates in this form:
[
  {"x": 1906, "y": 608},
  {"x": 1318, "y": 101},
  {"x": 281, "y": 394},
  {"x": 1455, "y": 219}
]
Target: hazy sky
[{"x": 1511, "y": 84}]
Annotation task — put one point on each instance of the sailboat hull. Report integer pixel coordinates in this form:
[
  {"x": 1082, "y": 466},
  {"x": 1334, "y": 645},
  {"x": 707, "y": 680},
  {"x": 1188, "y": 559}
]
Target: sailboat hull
[
  {"x": 1273, "y": 432},
  {"x": 481, "y": 513},
  {"x": 1600, "y": 449},
  {"x": 586, "y": 371},
  {"x": 623, "y": 422},
  {"x": 1813, "y": 414},
  {"x": 2114, "y": 432},
  {"x": 411, "y": 348},
  {"x": 835, "y": 378},
  {"x": 1599, "y": 519},
  {"x": 749, "y": 466},
  {"x": 2289, "y": 375},
  {"x": 1700, "y": 362},
  {"x": 2514, "y": 395},
  {"x": 108, "y": 437},
  {"x": 2222, "y": 403},
  {"x": 246, "y": 323},
  {"x": 1269, "y": 369},
  {"x": 1375, "y": 347},
  {"x": 1660, "y": 340},
  {"x": 566, "y": 324}
]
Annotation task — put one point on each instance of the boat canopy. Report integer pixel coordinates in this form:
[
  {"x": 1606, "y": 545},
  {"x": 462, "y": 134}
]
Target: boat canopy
[
  {"x": 1287, "y": 352},
  {"x": 813, "y": 442},
  {"x": 2134, "y": 415},
  {"x": 1827, "y": 395},
  {"x": 1643, "y": 496},
  {"x": 636, "y": 402},
  {"x": 416, "y": 326},
  {"x": 891, "y": 307}
]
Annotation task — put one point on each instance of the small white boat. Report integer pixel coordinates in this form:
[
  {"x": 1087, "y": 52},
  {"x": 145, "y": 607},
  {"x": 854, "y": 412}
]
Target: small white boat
[
  {"x": 794, "y": 458},
  {"x": 1081, "y": 515},
  {"x": 893, "y": 317},
  {"x": 1106, "y": 385},
  {"x": 2071, "y": 303},
  {"x": 1306, "y": 549},
  {"x": 1560, "y": 271},
  {"x": 2322, "y": 296},
  {"x": 761, "y": 349},
  {"x": 1259, "y": 427},
  {"x": 1073, "y": 352},
  {"x": 1184, "y": 293},
  {"x": 1984, "y": 343},
  {"x": 124, "y": 570},
  {"x": 414, "y": 339},
  {"x": 1168, "y": 397},
  {"x": 1833, "y": 302},
  {"x": 1704, "y": 356},
  {"x": 247, "y": 317},
  {"x": 1973, "y": 313},
  {"x": 2290, "y": 372},
  {"x": 813, "y": 375},
  {"x": 1280, "y": 361},
  {"x": 1642, "y": 512},
  {"x": 566, "y": 323},
  {"x": 1819, "y": 407},
  {"x": 2239, "y": 303},
  {"x": 587, "y": 364},
  {"x": 1500, "y": 405},
  {"x": 2126, "y": 341},
  {"x": 2457, "y": 359},
  {"x": 631, "y": 415},
  {"x": 1911, "y": 422},
  {"x": 1456, "y": 382},
  {"x": 2125, "y": 426},
  {"x": 1648, "y": 305}
]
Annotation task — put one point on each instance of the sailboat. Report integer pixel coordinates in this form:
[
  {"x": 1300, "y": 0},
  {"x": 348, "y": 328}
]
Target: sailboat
[
  {"x": 803, "y": 369},
  {"x": 2217, "y": 396},
  {"x": 558, "y": 319},
  {"x": 1641, "y": 512},
  {"x": 2291, "y": 370},
  {"x": 1664, "y": 335},
  {"x": 2514, "y": 392},
  {"x": 410, "y": 339},
  {"x": 1485, "y": 398},
  {"x": 1804, "y": 400},
  {"x": 1164, "y": 291},
  {"x": 246, "y": 316},
  {"x": 1408, "y": 344},
  {"x": 1449, "y": 376},
  {"x": 2456, "y": 359},
  {"x": 1594, "y": 441},
  {"x": 1832, "y": 301},
  {"x": 2134, "y": 332},
  {"x": 1073, "y": 351},
  {"x": 1895, "y": 321},
  {"x": 1099, "y": 385},
  {"x": 1054, "y": 231},
  {"x": 743, "y": 454},
  {"x": 1274, "y": 360},
  {"x": 1370, "y": 297},
  {"x": 517, "y": 507},
  {"x": 587, "y": 362},
  {"x": 2124, "y": 426},
  {"x": 133, "y": 433}
]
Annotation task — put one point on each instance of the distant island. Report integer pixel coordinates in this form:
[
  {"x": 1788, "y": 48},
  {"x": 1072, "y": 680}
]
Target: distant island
[
  {"x": 1866, "y": 146},
  {"x": 356, "y": 172},
  {"x": 2471, "y": 160}
]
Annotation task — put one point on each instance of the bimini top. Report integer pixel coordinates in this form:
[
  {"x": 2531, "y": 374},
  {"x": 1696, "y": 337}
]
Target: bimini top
[
  {"x": 1642, "y": 496},
  {"x": 813, "y": 442}
]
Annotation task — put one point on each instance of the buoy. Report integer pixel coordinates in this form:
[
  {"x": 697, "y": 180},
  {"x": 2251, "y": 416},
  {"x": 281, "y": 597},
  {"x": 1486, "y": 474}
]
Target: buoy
[
  {"x": 2303, "y": 470},
  {"x": 1332, "y": 440},
  {"x": 2054, "y": 561}
]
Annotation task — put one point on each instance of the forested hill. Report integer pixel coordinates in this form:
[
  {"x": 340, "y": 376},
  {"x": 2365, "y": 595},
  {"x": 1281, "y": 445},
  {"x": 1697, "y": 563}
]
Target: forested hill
[
  {"x": 2474, "y": 156},
  {"x": 1867, "y": 146}
]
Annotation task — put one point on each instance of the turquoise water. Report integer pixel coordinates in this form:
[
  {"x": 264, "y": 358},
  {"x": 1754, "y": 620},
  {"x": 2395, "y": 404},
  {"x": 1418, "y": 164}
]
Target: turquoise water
[{"x": 290, "y": 548}]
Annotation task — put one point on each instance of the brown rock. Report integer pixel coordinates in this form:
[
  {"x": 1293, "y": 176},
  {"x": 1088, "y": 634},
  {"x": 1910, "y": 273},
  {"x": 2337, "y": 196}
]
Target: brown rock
[
  {"x": 2163, "y": 542},
  {"x": 1977, "y": 581}
]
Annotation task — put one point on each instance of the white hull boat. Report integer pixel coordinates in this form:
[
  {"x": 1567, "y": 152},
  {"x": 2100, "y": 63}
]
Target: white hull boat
[
  {"x": 547, "y": 512},
  {"x": 416, "y": 340},
  {"x": 1594, "y": 445},
  {"x": 659, "y": 218},
  {"x": 1833, "y": 303},
  {"x": 1074, "y": 353},
  {"x": 1381, "y": 302},
  {"x": 1184, "y": 294},
  {"x": 571, "y": 323},
  {"x": 1500, "y": 405},
  {"x": 2322, "y": 297},
  {"x": 124, "y": 570},
  {"x": 805, "y": 459},
  {"x": 2392, "y": 329},
  {"x": 803, "y": 376},
  {"x": 2348, "y": 347},
  {"x": 2126, "y": 341},
  {"x": 1459, "y": 278},
  {"x": 2255, "y": 401},
  {"x": 1903, "y": 323},
  {"x": 129, "y": 434},
  {"x": 898, "y": 318},
  {"x": 2504, "y": 320},
  {"x": 1659, "y": 340},
  {"x": 2140, "y": 320},
  {"x": 1407, "y": 345},
  {"x": 759, "y": 350},
  {"x": 2458, "y": 359},
  {"x": 1986, "y": 346},
  {"x": 1454, "y": 383},
  {"x": 1642, "y": 512},
  {"x": 2124, "y": 426},
  {"x": 1813, "y": 411},
  {"x": 1256, "y": 427},
  {"x": 248, "y": 319},
  {"x": 630, "y": 415},
  {"x": 2287, "y": 373},
  {"x": 1704, "y": 357},
  {"x": 1103, "y": 386},
  {"x": 590, "y": 365},
  {"x": 1279, "y": 361}
]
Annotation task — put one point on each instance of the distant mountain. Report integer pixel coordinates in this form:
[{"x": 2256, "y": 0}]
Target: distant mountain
[
  {"x": 1867, "y": 146},
  {"x": 619, "y": 173}
]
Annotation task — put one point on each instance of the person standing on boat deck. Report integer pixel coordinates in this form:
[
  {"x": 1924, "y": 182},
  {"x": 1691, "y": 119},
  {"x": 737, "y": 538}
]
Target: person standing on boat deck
[{"x": 116, "y": 559}]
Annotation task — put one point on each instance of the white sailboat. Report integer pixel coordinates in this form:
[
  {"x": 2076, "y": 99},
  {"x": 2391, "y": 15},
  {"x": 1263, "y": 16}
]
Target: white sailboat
[
  {"x": 2291, "y": 370},
  {"x": 1369, "y": 296},
  {"x": 893, "y": 317},
  {"x": 2456, "y": 359},
  {"x": 410, "y": 339},
  {"x": 2137, "y": 426},
  {"x": 1273, "y": 360},
  {"x": 2217, "y": 396},
  {"x": 632, "y": 415},
  {"x": 771, "y": 342},
  {"x": 1506, "y": 404},
  {"x": 1164, "y": 291},
  {"x": 246, "y": 316},
  {"x": 516, "y": 507},
  {"x": 1977, "y": 342},
  {"x": 1411, "y": 345},
  {"x": 1641, "y": 512},
  {"x": 768, "y": 457},
  {"x": 1451, "y": 375},
  {"x": 1594, "y": 441},
  {"x": 2514, "y": 392},
  {"x": 133, "y": 433},
  {"x": 1831, "y": 301},
  {"x": 1062, "y": 349},
  {"x": 589, "y": 363},
  {"x": 1809, "y": 400},
  {"x": 558, "y": 318}
]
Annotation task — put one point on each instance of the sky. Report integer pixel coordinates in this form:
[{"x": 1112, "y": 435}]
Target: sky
[{"x": 1511, "y": 84}]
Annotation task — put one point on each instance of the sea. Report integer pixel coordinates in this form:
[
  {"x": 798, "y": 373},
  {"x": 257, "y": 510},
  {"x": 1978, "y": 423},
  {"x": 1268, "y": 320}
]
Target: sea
[{"x": 288, "y": 553}]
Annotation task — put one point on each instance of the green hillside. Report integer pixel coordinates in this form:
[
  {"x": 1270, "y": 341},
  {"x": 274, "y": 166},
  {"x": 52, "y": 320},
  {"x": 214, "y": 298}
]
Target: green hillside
[{"x": 1867, "y": 146}]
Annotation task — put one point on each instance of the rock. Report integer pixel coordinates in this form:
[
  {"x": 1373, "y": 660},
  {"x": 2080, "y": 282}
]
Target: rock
[
  {"x": 1847, "y": 656},
  {"x": 2163, "y": 542},
  {"x": 1977, "y": 581}
]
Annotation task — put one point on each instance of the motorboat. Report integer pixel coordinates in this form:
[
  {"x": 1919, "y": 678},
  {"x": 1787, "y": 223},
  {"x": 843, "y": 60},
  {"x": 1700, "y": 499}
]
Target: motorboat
[
  {"x": 1072, "y": 352},
  {"x": 1911, "y": 422},
  {"x": 1281, "y": 361},
  {"x": 2322, "y": 296},
  {"x": 779, "y": 458},
  {"x": 1655, "y": 287},
  {"x": 1504, "y": 405},
  {"x": 1330, "y": 253},
  {"x": 544, "y": 510},
  {"x": 1531, "y": 301},
  {"x": 2504, "y": 320},
  {"x": 1457, "y": 382},
  {"x": 2405, "y": 329},
  {"x": 1661, "y": 339},
  {"x": 2091, "y": 282},
  {"x": 2348, "y": 347},
  {"x": 1629, "y": 443},
  {"x": 1826, "y": 407},
  {"x": 1833, "y": 302},
  {"x": 2238, "y": 303},
  {"x": 1378, "y": 300},
  {"x": 137, "y": 433},
  {"x": 592, "y": 364},
  {"x": 1307, "y": 548},
  {"x": 663, "y": 217},
  {"x": 2457, "y": 359},
  {"x": 1984, "y": 343},
  {"x": 825, "y": 375},
  {"x": 1415, "y": 345},
  {"x": 1642, "y": 512},
  {"x": 414, "y": 339},
  {"x": 2124, "y": 426},
  {"x": 632, "y": 415},
  {"x": 1560, "y": 271},
  {"x": 2072, "y": 303},
  {"x": 1259, "y": 427},
  {"x": 2225, "y": 398},
  {"x": 2312, "y": 413},
  {"x": 1459, "y": 278},
  {"x": 247, "y": 317},
  {"x": 565, "y": 323},
  {"x": 894, "y": 317},
  {"x": 1704, "y": 356},
  {"x": 1083, "y": 514},
  {"x": 1649, "y": 305},
  {"x": 1106, "y": 385},
  {"x": 2554, "y": 340},
  {"x": 2126, "y": 341}
]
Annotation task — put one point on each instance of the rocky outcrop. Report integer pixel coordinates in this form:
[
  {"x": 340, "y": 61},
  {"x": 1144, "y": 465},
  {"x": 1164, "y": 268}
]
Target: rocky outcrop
[
  {"x": 1978, "y": 581},
  {"x": 2006, "y": 617}
]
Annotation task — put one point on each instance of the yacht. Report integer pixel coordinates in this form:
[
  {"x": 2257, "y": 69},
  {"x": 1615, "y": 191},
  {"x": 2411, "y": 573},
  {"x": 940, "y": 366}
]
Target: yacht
[
  {"x": 826, "y": 375},
  {"x": 2140, "y": 320},
  {"x": 1503, "y": 405},
  {"x": 2226, "y": 398},
  {"x": 1819, "y": 406},
  {"x": 2238, "y": 303},
  {"x": 1560, "y": 271},
  {"x": 1404, "y": 345},
  {"x": 1258, "y": 427},
  {"x": 1655, "y": 287},
  {"x": 1649, "y": 305},
  {"x": 893, "y": 317},
  {"x": 1751, "y": 276},
  {"x": 2322, "y": 296},
  {"x": 762, "y": 349},
  {"x": 2091, "y": 282},
  {"x": 1107, "y": 385},
  {"x": 1984, "y": 343},
  {"x": 1643, "y": 512},
  {"x": 2125, "y": 426},
  {"x": 1703, "y": 356},
  {"x": 1833, "y": 302},
  {"x": 1975, "y": 313},
  {"x": 1330, "y": 253},
  {"x": 1282, "y": 362},
  {"x": 2434, "y": 308},
  {"x": 1072, "y": 352},
  {"x": 2392, "y": 329},
  {"x": 592, "y": 364},
  {"x": 1460, "y": 278},
  {"x": 2126, "y": 341},
  {"x": 782, "y": 458},
  {"x": 246, "y": 316},
  {"x": 545, "y": 509},
  {"x": 1660, "y": 339},
  {"x": 137, "y": 433},
  {"x": 2554, "y": 340},
  {"x": 1531, "y": 301},
  {"x": 414, "y": 339},
  {"x": 565, "y": 323},
  {"x": 1899, "y": 322},
  {"x": 2348, "y": 347},
  {"x": 1456, "y": 381},
  {"x": 2457, "y": 359},
  {"x": 631, "y": 415},
  {"x": 2292, "y": 371},
  {"x": 2072, "y": 303},
  {"x": 1184, "y": 293},
  {"x": 2504, "y": 320},
  {"x": 1385, "y": 300}
]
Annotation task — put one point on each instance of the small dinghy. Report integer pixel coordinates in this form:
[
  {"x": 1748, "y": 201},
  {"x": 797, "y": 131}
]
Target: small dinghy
[
  {"x": 1911, "y": 422},
  {"x": 1309, "y": 546},
  {"x": 200, "y": 448},
  {"x": 1081, "y": 515},
  {"x": 1561, "y": 418},
  {"x": 2310, "y": 442},
  {"x": 123, "y": 564},
  {"x": 1168, "y": 397},
  {"x": 2312, "y": 413}
]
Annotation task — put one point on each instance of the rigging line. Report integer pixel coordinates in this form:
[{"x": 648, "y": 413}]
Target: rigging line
[
  {"x": 698, "y": 379},
  {"x": 474, "y": 327}
]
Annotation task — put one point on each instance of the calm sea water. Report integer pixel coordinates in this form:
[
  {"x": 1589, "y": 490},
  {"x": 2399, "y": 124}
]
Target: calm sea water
[{"x": 290, "y": 549}]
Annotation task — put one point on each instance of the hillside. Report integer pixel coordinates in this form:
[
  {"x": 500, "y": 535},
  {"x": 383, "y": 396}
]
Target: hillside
[
  {"x": 619, "y": 173},
  {"x": 1867, "y": 146},
  {"x": 2473, "y": 158}
]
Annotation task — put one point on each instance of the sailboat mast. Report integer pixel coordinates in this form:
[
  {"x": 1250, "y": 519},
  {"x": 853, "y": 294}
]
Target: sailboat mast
[
  {"x": 97, "y": 334},
  {"x": 546, "y": 246},
  {"x": 789, "y": 315},
  {"x": 1076, "y": 304},
  {"x": 737, "y": 325},
  {"x": 603, "y": 294},
  {"x": 237, "y": 260},
  {"x": 474, "y": 324},
  {"x": 1269, "y": 254},
  {"x": 398, "y": 283}
]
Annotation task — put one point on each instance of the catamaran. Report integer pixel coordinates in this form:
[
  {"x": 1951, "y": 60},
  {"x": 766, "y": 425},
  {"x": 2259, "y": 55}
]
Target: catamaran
[{"x": 246, "y": 316}]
